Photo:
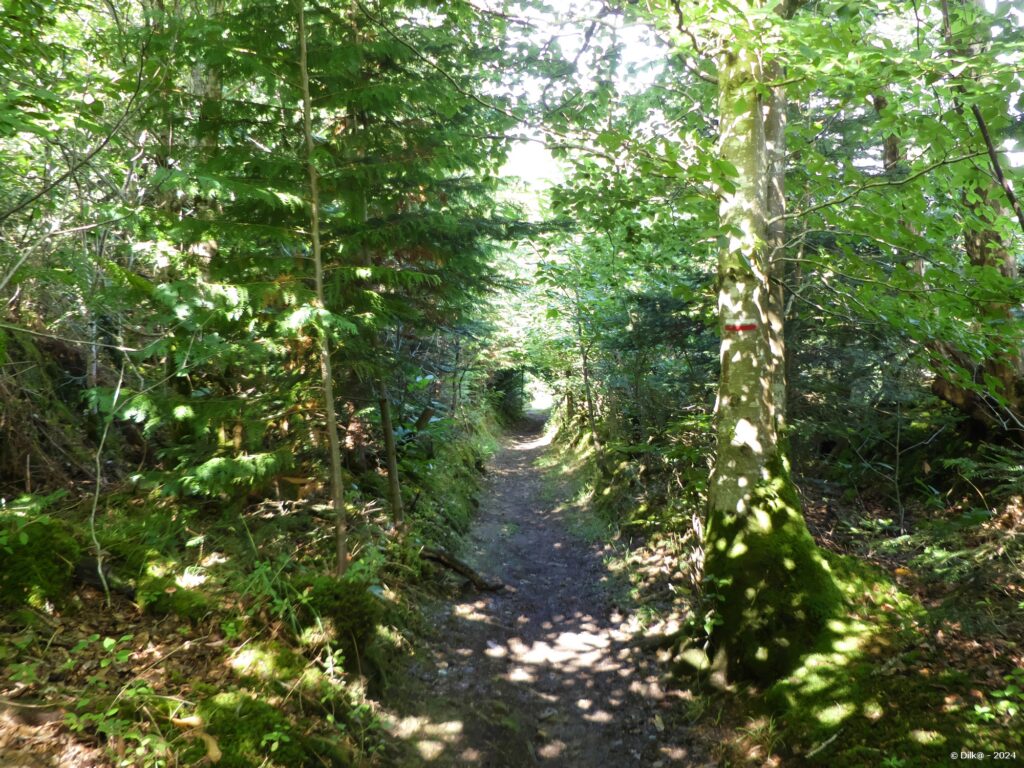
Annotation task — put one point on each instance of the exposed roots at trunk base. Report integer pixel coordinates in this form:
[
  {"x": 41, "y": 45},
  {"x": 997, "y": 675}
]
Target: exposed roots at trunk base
[{"x": 772, "y": 591}]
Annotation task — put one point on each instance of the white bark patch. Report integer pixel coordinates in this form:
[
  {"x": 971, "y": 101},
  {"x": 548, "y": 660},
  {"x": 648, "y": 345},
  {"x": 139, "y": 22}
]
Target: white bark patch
[{"x": 745, "y": 433}]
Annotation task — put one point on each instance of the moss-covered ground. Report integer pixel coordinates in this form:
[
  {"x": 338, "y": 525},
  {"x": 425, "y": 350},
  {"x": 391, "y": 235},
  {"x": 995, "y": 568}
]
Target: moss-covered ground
[{"x": 230, "y": 637}]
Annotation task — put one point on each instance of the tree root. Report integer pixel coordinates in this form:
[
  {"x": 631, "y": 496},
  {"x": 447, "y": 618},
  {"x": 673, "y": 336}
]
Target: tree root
[{"x": 448, "y": 560}]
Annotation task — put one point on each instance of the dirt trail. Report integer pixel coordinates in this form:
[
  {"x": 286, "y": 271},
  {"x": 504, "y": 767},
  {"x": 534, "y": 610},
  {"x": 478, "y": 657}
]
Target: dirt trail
[{"x": 543, "y": 672}]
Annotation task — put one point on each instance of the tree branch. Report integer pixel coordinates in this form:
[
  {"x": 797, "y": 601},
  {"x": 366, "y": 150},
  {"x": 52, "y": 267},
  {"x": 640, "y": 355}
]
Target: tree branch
[
  {"x": 997, "y": 167},
  {"x": 878, "y": 185}
]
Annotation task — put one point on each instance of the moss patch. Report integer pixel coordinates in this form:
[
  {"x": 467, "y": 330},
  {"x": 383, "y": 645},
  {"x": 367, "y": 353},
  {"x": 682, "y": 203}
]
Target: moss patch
[
  {"x": 251, "y": 733},
  {"x": 774, "y": 592},
  {"x": 160, "y": 595},
  {"x": 343, "y": 609},
  {"x": 878, "y": 687},
  {"x": 267, "y": 660},
  {"x": 38, "y": 556}
]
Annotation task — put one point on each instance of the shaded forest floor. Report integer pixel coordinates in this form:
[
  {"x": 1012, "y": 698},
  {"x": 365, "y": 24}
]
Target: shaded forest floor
[{"x": 546, "y": 671}]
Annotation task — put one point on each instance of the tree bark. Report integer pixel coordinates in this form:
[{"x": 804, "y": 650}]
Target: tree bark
[
  {"x": 391, "y": 453},
  {"x": 450, "y": 561},
  {"x": 775, "y": 149},
  {"x": 326, "y": 372},
  {"x": 774, "y": 593}
]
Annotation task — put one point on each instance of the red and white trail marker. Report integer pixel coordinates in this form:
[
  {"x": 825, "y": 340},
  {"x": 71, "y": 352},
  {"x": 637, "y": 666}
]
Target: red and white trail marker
[{"x": 739, "y": 326}]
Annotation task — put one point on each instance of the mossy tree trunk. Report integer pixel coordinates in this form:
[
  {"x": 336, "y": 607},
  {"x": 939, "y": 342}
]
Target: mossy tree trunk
[{"x": 774, "y": 591}]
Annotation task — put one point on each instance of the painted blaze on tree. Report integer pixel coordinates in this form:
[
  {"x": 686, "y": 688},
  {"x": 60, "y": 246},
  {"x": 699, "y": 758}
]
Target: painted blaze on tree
[{"x": 775, "y": 592}]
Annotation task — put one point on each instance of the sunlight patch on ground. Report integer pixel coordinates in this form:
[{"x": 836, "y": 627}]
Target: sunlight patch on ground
[
  {"x": 552, "y": 749},
  {"x": 542, "y": 441},
  {"x": 431, "y": 739},
  {"x": 473, "y": 611}
]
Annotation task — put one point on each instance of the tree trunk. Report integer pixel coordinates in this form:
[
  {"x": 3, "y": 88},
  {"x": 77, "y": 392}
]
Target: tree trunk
[
  {"x": 775, "y": 148},
  {"x": 775, "y": 593},
  {"x": 326, "y": 372},
  {"x": 391, "y": 452}
]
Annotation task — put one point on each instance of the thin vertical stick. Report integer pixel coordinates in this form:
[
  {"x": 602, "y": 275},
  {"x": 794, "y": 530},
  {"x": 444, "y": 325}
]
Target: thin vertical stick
[{"x": 326, "y": 373}]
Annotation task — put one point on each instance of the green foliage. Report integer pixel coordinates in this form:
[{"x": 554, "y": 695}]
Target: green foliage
[
  {"x": 1000, "y": 468},
  {"x": 224, "y": 476},
  {"x": 444, "y": 478},
  {"x": 153, "y": 533},
  {"x": 115, "y": 719},
  {"x": 1009, "y": 700},
  {"x": 154, "y": 221},
  {"x": 508, "y": 385}
]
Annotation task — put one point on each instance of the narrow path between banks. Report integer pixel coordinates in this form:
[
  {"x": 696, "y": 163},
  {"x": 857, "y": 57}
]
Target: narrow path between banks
[{"x": 544, "y": 672}]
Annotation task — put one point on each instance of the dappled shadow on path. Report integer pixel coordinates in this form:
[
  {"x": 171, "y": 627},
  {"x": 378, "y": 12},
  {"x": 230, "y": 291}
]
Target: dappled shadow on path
[{"x": 545, "y": 672}]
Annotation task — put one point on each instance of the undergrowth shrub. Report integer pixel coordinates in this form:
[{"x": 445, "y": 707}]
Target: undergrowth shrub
[
  {"x": 138, "y": 532},
  {"x": 444, "y": 481},
  {"x": 1000, "y": 468}
]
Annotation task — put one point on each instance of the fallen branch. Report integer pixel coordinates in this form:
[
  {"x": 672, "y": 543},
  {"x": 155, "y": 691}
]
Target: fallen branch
[
  {"x": 450, "y": 561},
  {"x": 824, "y": 744}
]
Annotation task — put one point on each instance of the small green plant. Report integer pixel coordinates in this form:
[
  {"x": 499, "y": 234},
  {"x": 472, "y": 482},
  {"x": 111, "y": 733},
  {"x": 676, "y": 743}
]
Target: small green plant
[
  {"x": 26, "y": 672},
  {"x": 116, "y": 655},
  {"x": 1011, "y": 698},
  {"x": 766, "y": 733},
  {"x": 274, "y": 739},
  {"x": 267, "y": 589},
  {"x": 232, "y": 629},
  {"x": 118, "y": 720}
]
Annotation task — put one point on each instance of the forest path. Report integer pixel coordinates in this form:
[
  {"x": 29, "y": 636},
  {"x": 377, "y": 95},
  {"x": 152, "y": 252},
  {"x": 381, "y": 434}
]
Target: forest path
[{"x": 544, "y": 672}]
